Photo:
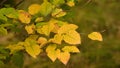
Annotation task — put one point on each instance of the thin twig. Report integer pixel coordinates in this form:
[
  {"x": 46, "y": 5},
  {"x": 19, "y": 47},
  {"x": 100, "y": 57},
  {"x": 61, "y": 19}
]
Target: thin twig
[
  {"x": 19, "y": 3},
  {"x": 2, "y": 3}
]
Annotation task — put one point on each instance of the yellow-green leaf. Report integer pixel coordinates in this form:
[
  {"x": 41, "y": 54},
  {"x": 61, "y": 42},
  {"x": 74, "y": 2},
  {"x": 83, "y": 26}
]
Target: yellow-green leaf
[
  {"x": 30, "y": 28},
  {"x": 46, "y": 29},
  {"x": 32, "y": 48},
  {"x": 57, "y": 39},
  {"x": 73, "y": 49},
  {"x": 24, "y": 17},
  {"x": 95, "y": 36},
  {"x": 64, "y": 57},
  {"x": 3, "y": 31},
  {"x": 66, "y": 28},
  {"x": 46, "y": 8},
  {"x": 15, "y": 47},
  {"x": 39, "y": 19},
  {"x": 72, "y": 37},
  {"x": 34, "y": 9},
  {"x": 51, "y": 47}
]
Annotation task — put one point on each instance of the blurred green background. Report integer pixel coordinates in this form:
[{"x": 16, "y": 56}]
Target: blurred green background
[{"x": 90, "y": 15}]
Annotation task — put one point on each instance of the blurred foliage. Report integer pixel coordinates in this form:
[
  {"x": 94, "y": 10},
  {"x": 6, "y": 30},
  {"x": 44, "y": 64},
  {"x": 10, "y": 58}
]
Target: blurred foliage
[{"x": 90, "y": 15}]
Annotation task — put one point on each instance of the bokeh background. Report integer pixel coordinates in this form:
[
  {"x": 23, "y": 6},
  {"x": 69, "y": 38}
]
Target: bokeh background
[{"x": 90, "y": 15}]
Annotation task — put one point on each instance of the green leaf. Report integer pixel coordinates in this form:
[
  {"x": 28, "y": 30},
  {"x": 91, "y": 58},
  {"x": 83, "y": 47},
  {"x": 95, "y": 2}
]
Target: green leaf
[
  {"x": 57, "y": 2},
  {"x": 46, "y": 8},
  {"x": 70, "y": 49},
  {"x": 2, "y": 17},
  {"x": 32, "y": 48},
  {"x": 18, "y": 59},
  {"x": 3, "y": 31}
]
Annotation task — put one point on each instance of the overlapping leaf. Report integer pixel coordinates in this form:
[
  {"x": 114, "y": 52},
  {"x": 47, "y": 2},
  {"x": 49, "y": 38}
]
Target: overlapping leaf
[
  {"x": 30, "y": 28},
  {"x": 73, "y": 49},
  {"x": 24, "y": 17},
  {"x": 32, "y": 48}
]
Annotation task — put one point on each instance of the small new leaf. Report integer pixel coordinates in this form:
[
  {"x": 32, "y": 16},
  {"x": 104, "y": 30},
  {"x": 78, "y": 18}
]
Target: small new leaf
[
  {"x": 30, "y": 28},
  {"x": 95, "y": 36}
]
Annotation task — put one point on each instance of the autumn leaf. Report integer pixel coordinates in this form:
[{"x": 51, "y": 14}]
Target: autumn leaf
[
  {"x": 42, "y": 41},
  {"x": 67, "y": 27},
  {"x": 32, "y": 48},
  {"x": 58, "y": 13},
  {"x": 24, "y": 17},
  {"x": 34, "y": 9},
  {"x": 51, "y": 52},
  {"x": 39, "y": 19},
  {"x": 30, "y": 28},
  {"x": 46, "y": 29},
  {"x": 71, "y": 3},
  {"x": 15, "y": 47},
  {"x": 72, "y": 49},
  {"x": 64, "y": 57},
  {"x": 72, "y": 37},
  {"x": 95, "y": 36},
  {"x": 57, "y": 39}
]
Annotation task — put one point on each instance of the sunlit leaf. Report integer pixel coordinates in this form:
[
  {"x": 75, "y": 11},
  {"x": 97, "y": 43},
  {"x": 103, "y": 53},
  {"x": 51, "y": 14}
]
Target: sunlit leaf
[
  {"x": 42, "y": 41},
  {"x": 24, "y": 17},
  {"x": 95, "y": 36},
  {"x": 51, "y": 52},
  {"x": 64, "y": 57},
  {"x": 3, "y": 31},
  {"x": 58, "y": 13},
  {"x": 39, "y": 19},
  {"x": 71, "y": 3},
  {"x": 34, "y": 9},
  {"x": 72, "y": 37},
  {"x": 46, "y": 29},
  {"x": 66, "y": 28},
  {"x": 57, "y": 39},
  {"x": 30, "y": 28},
  {"x": 32, "y": 48},
  {"x": 73, "y": 49},
  {"x": 46, "y": 8},
  {"x": 57, "y": 2},
  {"x": 15, "y": 47}
]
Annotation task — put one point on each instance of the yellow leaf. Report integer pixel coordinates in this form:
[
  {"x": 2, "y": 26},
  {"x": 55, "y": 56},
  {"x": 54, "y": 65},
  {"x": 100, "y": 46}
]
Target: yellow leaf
[
  {"x": 70, "y": 49},
  {"x": 24, "y": 17},
  {"x": 57, "y": 39},
  {"x": 32, "y": 48},
  {"x": 95, "y": 36},
  {"x": 51, "y": 52},
  {"x": 72, "y": 37},
  {"x": 66, "y": 28},
  {"x": 34, "y": 9},
  {"x": 70, "y": 3},
  {"x": 64, "y": 57},
  {"x": 42, "y": 40},
  {"x": 30, "y": 28}
]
